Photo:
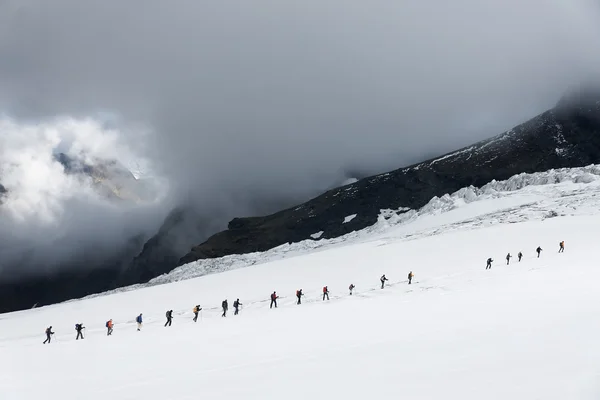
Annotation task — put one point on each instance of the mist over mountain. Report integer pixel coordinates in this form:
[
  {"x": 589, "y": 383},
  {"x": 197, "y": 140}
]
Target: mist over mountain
[{"x": 129, "y": 124}]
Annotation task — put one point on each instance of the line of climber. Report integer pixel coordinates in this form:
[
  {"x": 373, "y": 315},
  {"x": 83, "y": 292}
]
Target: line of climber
[
  {"x": 561, "y": 249},
  {"x": 236, "y": 304},
  {"x": 79, "y": 328}
]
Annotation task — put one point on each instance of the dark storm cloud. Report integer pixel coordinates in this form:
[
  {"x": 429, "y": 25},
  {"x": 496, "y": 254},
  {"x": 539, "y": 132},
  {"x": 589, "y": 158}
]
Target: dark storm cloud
[{"x": 270, "y": 100}]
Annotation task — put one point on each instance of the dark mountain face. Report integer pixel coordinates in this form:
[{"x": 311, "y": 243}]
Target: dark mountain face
[
  {"x": 162, "y": 251},
  {"x": 84, "y": 276},
  {"x": 566, "y": 136}
]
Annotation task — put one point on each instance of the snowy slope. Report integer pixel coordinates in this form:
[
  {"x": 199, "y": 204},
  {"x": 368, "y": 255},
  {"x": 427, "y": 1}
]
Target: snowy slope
[
  {"x": 523, "y": 197},
  {"x": 524, "y": 331}
]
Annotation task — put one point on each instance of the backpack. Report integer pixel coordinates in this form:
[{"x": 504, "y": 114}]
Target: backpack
[
  {"x": 138, "y": 319},
  {"x": 297, "y": 293},
  {"x": 235, "y": 304},
  {"x": 77, "y": 327},
  {"x": 107, "y": 324},
  {"x": 324, "y": 289}
]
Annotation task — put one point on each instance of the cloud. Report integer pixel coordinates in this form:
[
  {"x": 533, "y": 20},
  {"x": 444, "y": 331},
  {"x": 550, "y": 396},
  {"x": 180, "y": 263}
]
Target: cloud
[
  {"x": 50, "y": 214},
  {"x": 246, "y": 106}
]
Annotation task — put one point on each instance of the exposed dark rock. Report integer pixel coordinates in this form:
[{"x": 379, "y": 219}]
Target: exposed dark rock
[
  {"x": 84, "y": 277},
  {"x": 162, "y": 251},
  {"x": 566, "y": 136}
]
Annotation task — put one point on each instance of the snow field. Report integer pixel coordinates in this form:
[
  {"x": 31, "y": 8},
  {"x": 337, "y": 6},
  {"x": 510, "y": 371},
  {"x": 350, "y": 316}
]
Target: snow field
[{"x": 524, "y": 331}]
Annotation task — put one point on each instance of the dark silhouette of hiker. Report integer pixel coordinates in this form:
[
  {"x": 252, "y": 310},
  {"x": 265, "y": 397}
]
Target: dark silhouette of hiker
[
  {"x": 79, "y": 328},
  {"x": 538, "y": 250},
  {"x": 410, "y": 276},
  {"x": 351, "y": 288},
  {"x": 520, "y": 255},
  {"x": 109, "y": 327},
  {"x": 49, "y": 334},
  {"x": 196, "y": 311},
  {"x": 225, "y": 307},
  {"x": 508, "y": 257},
  {"x": 236, "y": 305},
  {"x": 383, "y": 279},
  {"x": 139, "y": 321},
  {"x": 561, "y": 247},
  {"x": 274, "y": 298},
  {"x": 169, "y": 315},
  {"x": 325, "y": 293},
  {"x": 299, "y": 295},
  {"x": 489, "y": 263}
]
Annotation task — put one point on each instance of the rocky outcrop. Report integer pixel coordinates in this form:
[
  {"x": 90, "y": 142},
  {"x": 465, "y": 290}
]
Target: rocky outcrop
[
  {"x": 566, "y": 136},
  {"x": 109, "y": 178}
]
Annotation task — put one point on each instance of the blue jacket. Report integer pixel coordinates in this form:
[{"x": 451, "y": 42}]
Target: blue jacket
[{"x": 139, "y": 319}]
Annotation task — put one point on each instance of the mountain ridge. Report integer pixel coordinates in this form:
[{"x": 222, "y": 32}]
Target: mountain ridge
[{"x": 566, "y": 136}]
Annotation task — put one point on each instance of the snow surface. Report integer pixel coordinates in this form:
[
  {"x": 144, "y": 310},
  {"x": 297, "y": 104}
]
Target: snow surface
[
  {"x": 524, "y": 331},
  {"x": 317, "y": 235},
  {"x": 349, "y": 218}
]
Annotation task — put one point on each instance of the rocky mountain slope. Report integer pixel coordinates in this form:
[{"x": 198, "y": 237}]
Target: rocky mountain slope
[
  {"x": 108, "y": 177},
  {"x": 566, "y": 136}
]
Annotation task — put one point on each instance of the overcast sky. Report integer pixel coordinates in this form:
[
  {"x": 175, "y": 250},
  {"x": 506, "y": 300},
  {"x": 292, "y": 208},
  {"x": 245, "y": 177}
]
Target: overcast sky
[{"x": 240, "y": 101}]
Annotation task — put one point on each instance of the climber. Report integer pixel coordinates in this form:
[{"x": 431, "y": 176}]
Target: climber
[
  {"x": 325, "y": 293},
  {"x": 383, "y": 279}
]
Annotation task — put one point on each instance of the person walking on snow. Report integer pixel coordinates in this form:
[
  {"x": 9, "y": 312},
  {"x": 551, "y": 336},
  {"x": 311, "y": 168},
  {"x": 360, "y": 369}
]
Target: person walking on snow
[
  {"x": 520, "y": 255},
  {"x": 561, "y": 248},
  {"x": 538, "y": 250},
  {"x": 109, "y": 327},
  {"x": 489, "y": 263},
  {"x": 325, "y": 293},
  {"x": 274, "y": 298},
  {"x": 236, "y": 305},
  {"x": 196, "y": 311},
  {"x": 79, "y": 328},
  {"x": 139, "y": 321},
  {"x": 49, "y": 334},
  {"x": 299, "y": 295},
  {"x": 410, "y": 276},
  {"x": 351, "y": 288},
  {"x": 508, "y": 257},
  {"x": 383, "y": 279},
  {"x": 225, "y": 307},
  {"x": 169, "y": 315}
]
